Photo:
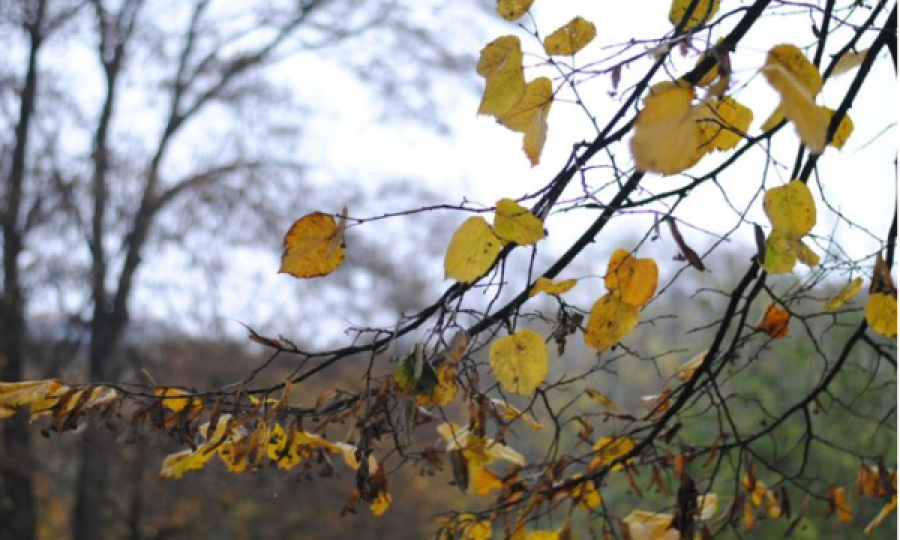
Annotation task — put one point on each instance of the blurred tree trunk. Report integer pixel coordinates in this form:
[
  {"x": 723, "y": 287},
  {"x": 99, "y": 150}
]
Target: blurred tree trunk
[{"x": 17, "y": 513}]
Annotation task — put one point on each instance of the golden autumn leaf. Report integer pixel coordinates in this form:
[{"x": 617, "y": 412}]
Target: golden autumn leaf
[
  {"x": 838, "y": 498},
  {"x": 472, "y": 251},
  {"x": 512, "y": 10},
  {"x": 555, "y": 288},
  {"x": 175, "y": 465},
  {"x": 444, "y": 391},
  {"x": 723, "y": 123},
  {"x": 611, "y": 319},
  {"x": 381, "y": 503},
  {"x": 791, "y": 208},
  {"x": 571, "y": 38},
  {"x": 686, "y": 370},
  {"x": 309, "y": 247},
  {"x": 882, "y": 514},
  {"x": 508, "y": 413},
  {"x": 602, "y": 399},
  {"x": 500, "y": 64},
  {"x": 514, "y": 223},
  {"x": 797, "y": 81},
  {"x": 881, "y": 314},
  {"x": 845, "y": 294},
  {"x": 477, "y": 449},
  {"x": 667, "y": 139},
  {"x": 775, "y": 321},
  {"x": 529, "y": 116},
  {"x": 703, "y": 12},
  {"x": 15, "y": 394},
  {"x": 643, "y": 525},
  {"x": 520, "y": 361},
  {"x": 633, "y": 280},
  {"x": 484, "y": 481},
  {"x": 586, "y": 494},
  {"x": 609, "y": 449},
  {"x": 473, "y": 528},
  {"x": 176, "y": 403},
  {"x": 844, "y": 129}
]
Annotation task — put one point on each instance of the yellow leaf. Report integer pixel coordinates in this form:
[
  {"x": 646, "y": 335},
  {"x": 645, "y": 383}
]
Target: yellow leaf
[
  {"x": 632, "y": 280},
  {"x": 477, "y": 449},
  {"x": 175, "y": 465},
  {"x": 473, "y": 529},
  {"x": 234, "y": 456},
  {"x": 780, "y": 254},
  {"x": 586, "y": 494},
  {"x": 723, "y": 122},
  {"x": 703, "y": 12},
  {"x": 556, "y": 288},
  {"x": 791, "y": 208},
  {"x": 512, "y": 10},
  {"x": 529, "y": 116},
  {"x": 175, "y": 403},
  {"x": 611, "y": 320},
  {"x": 472, "y": 251},
  {"x": 775, "y": 321},
  {"x": 881, "y": 314},
  {"x": 715, "y": 72},
  {"x": 806, "y": 254},
  {"x": 609, "y": 449},
  {"x": 686, "y": 371},
  {"x": 542, "y": 535},
  {"x": 444, "y": 391},
  {"x": 570, "y": 38},
  {"x": 849, "y": 291},
  {"x": 708, "y": 505},
  {"x": 520, "y": 361},
  {"x": 797, "y": 81},
  {"x": 643, "y": 525},
  {"x": 514, "y": 223},
  {"x": 508, "y": 413},
  {"x": 604, "y": 401},
  {"x": 15, "y": 394},
  {"x": 381, "y": 503},
  {"x": 667, "y": 139},
  {"x": 839, "y": 499},
  {"x": 483, "y": 480},
  {"x": 849, "y": 60},
  {"x": 885, "y": 512},
  {"x": 501, "y": 65},
  {"x": 844, "y": 129},
  {"x": 309, "y": 247}
]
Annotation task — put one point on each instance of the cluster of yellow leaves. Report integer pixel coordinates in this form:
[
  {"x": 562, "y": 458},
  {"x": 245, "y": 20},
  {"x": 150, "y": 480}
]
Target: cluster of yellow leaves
[
  {"x": 760, "y": 497},
  {"x": 50, "y": 397},
  {"x": 798, "y": 82},
  {"x": 643, "y": 525},
  {"x": 478, "y": 452},
  {"x": 775, "y": 321},
  {"x": 703, "y": 12},
  {"x": 476, "y": 244},
  {"x": 672, "y": 134},
  {"x": 520, "y": 361},
  {"x": 792, "y": 212},
  {"x": 314, "y": 245},
  {"x": 631, "y": 283}
]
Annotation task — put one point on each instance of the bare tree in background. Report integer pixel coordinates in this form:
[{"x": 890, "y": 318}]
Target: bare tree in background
[{"x": 91, "y": 216}]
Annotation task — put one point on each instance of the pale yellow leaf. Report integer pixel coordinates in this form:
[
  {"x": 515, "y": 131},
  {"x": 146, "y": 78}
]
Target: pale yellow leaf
[
  {"x": 520, "y": 362},
  {"x": 602, "y": 399},
  {"x": 500, "y": 64},
  {"x": 472, "y": 251},
  {"x": 849, "y": 291},
  {"x": 667, "y": 139},
  {"x": 723, "y": 123},
  {"x": 555, "y": 288},
  {"x": 849, "y": 60},
  {"x": 797, "y": 81},
  {"x": 515, "y": 223},
  {"x": 780, "y": 253},
  {"x": 791, "y": 208},
  {"x": 571, "y": 38},
  {"x": 702, "y": 13}
]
